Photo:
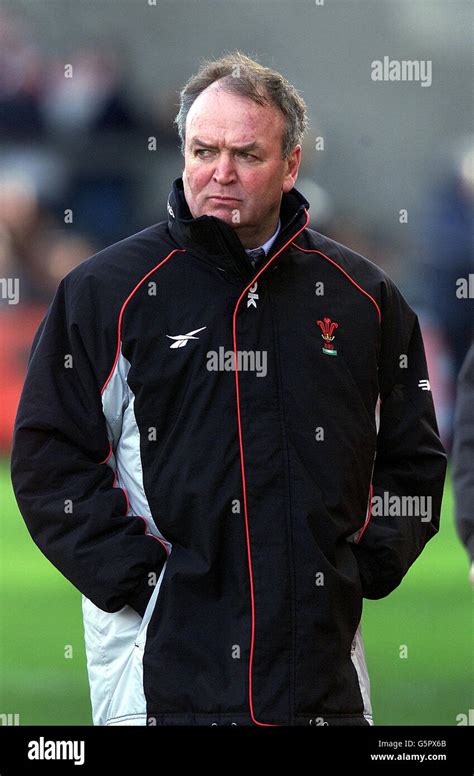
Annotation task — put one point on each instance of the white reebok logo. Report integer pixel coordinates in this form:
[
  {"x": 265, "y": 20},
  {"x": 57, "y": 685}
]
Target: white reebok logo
[{"x": 182, "y": 339}]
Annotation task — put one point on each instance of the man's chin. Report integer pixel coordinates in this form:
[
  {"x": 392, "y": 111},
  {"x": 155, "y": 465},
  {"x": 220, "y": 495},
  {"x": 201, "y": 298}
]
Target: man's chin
[{"x": 224, "y": 211}]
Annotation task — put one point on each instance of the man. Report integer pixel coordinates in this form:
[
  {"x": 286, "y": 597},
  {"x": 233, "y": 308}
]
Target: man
[{"x": 202, "y": 430}]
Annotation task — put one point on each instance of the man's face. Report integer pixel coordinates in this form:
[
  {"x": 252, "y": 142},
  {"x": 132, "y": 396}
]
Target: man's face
[{"x": 233, "y": 151}]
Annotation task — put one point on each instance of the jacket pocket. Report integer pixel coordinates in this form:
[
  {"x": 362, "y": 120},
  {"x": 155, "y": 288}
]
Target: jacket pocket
[
  {"x": 109, "y": 638},
  {"x": 114, "y": 643},
  {"x": 127, "y": 704}
]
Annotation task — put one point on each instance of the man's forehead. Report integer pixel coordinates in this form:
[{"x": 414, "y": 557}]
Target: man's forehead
[
  {"x": 234, "y": 131},
  {"x": 220, "y": 110}
]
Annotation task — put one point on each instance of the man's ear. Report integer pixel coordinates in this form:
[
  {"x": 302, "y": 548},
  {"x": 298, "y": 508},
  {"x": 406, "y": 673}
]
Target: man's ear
[{"x": 293, "y": 163}]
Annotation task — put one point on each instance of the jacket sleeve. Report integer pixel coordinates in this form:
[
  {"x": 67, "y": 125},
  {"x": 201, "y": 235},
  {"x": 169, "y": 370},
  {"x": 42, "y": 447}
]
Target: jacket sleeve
[
  {"x": 463, "y": 454},
  {"x": 410, "y": 461},
  {"x": 64, "y": 488}
]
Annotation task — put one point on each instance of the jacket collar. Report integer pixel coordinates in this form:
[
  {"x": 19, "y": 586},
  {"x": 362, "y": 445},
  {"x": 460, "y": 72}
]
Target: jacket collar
[{"x": 214, "y": 241}]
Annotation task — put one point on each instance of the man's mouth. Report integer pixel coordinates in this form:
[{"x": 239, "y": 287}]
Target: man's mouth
[{"x": 225, "y": 199}]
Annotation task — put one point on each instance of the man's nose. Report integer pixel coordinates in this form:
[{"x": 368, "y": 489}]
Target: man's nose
[{"x": 224, "y": 171}]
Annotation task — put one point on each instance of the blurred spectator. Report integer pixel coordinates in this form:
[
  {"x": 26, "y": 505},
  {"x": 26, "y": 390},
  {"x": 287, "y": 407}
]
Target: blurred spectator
[
  {"x": 93, "y": 98},
  {"x": 62, "y": 252},
  {"x": 91, "y": 113},
  {"x": 35, "y": 254},
  {"x": 463, "y": 457},
  {"x": 450, "y": 255},
  {"x": 34, "y": 247},
  {"x": 446, "y": 258},
  {"x": 22, "y": 223},
  {"x": 21, "y": 73}
]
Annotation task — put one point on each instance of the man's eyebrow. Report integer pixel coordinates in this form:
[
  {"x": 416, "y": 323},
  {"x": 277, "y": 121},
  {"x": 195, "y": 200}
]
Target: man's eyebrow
[{"x": 246, "y": 147}]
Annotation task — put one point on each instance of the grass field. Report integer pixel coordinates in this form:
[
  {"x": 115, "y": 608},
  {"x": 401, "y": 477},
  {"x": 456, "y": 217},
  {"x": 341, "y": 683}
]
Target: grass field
[{"x": 430, "y": 613}]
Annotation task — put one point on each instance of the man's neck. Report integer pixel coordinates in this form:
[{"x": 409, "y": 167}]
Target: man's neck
[{"x": 252, "y": 241}]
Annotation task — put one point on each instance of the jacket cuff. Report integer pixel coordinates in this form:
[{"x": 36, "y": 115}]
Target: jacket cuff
[
  {"x": 380, "y": 573},
  {"x": 363, "y": 563},
  {"x": 140, "y": 597}
]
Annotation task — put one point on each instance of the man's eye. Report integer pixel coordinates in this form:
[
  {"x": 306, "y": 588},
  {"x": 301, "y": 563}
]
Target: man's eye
[{"x": 203, "y": 151}]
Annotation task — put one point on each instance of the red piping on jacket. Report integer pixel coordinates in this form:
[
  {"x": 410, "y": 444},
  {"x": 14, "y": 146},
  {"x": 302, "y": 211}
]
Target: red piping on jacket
[
  {"x": 108, "y": 455},
  {"x": 119, "y": 327},
  {"x": 312, "y": 250},
  {"x": 157, "y": 538},
  {"x": 115, "y": 477},
  {"x": 367, "y": 519},
  {"x": 242, "y": 465},
  {"x": 117, "y": 354}
]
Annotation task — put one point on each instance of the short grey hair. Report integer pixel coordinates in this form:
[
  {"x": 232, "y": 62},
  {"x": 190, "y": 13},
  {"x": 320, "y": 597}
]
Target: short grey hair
[{"x": 238, "y": 74}]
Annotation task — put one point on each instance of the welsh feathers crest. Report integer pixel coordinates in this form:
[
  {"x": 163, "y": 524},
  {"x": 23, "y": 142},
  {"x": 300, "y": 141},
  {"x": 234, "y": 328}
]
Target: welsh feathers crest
[{"x": 327, "y": 327}]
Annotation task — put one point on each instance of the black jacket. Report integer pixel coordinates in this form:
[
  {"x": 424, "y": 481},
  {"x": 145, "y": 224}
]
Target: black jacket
[{"x": 214, "y": 509}]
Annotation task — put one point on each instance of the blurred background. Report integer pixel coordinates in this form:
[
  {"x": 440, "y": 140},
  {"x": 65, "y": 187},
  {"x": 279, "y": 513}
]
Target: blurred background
[{"x": 388, "y": 168}]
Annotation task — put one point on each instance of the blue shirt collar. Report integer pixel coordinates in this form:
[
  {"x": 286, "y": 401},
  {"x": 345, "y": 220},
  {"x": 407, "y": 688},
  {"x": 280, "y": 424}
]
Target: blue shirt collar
[{"x": 268, "y": 244}]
